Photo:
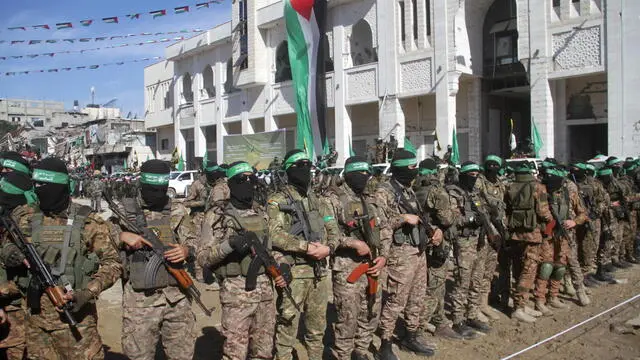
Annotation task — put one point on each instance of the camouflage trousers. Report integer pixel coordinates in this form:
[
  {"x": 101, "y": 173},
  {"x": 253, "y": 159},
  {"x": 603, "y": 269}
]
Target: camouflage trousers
[
  {"x": 355, "y": 325},
  {"x": 62, "y": 344},
  {"x": 12, "y": 335},
  {"x": 618, "y": 251},
  {"x": 311, "y": 296},
  {"x": 197, "y": 219},
  {"x": 487, "y": 265},
  {"x": 588, "y": 239},
  {"x": 556, "y": 254},
  {"x": 529, "y": 253},
  {"x": 573, "y": 265},
  {"x": 433, "y": 311},
  {"x": 96, "y": 203},
  {"x": 406, "y": 289},
  {"x": 469, "y": 272},
  {"x": 629, "y": 236},
  {"x": 608, "y": 234},
  {"x": 143, "y": 327},
  {"x": 248, "y": 319}
]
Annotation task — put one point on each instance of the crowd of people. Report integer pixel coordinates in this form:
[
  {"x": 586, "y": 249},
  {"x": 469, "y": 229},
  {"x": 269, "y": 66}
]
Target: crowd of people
[{"x": 282, "y": 243}]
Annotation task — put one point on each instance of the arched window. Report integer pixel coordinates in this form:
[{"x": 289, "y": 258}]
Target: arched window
[
  {"x": 187, "y": 90},
  {"x": 362, "y": 51},
  {"x": 209, "y": 89},
  {"x": 229, "y": 87},
  {"x": 283, "y": 67}
]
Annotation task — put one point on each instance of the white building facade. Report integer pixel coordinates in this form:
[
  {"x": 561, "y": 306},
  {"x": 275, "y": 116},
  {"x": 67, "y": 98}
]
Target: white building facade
[{"x": 414, "y": 68}]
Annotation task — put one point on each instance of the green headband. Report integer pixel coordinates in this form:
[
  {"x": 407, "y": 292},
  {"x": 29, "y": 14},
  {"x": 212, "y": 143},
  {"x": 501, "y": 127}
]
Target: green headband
[
  {"x": 493, "y": 158},
  {"x": 11, "y": 189},
  {"x": 212, "y": 168},
  {"x": 295, "y": 158},
  {"x": 614, "y": 161},
  {"x": 590, "y": 167},
  {"x": 154, "y": 179},
  {"x": 469, "y": 168},
  {"x": 524, "y": 169},
  {"x": 556, "y": 172},
  {"x": 581, "y": 166},
  {"x": 358, "y": 166},
  {"x": 240, "y": 168},
  {"x": 12, "y": 164},
  {"x": 604, "y": 172},
  {"x": 50, "y": 176},
  {"x": 547, "y": 164},
  {"x": 404, "y": 162},
  {"x": 425, "y": 172}
]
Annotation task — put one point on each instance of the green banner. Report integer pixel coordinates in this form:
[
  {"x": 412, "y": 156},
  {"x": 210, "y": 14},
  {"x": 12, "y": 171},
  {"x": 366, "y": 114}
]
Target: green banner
[{"x": 256, "y": 149}]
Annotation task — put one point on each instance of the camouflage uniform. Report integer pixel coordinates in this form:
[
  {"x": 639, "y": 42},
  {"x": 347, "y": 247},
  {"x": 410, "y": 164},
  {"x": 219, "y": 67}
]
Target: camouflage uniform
[
  {"x": 355, "y": 324},
  {"x": 588, "y": 235},
  {"x": 248, "y": 317},
  {"x": 631, "y": 226},
  {"x": 406, "y": 265},
  {"x": 527, "y": 244},
  {"x": 12, "y": 333},
  {"x": 95, "y": 189},
  {"x": 198, "y": 201},
  {"x": 617, "y": 193},
  {"x": 48, "y": 337},
  {"x": 165, "y": 312},
  {"x": 219, "y": 192},
  {"x": 309, "y": 292},
  {"x": 577, "y": 211},
  {"x": 557, "y": 250}
]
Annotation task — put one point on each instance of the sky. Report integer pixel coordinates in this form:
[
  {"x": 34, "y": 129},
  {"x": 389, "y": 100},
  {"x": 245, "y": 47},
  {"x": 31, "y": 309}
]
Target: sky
[{"x": 123, "y": 82}]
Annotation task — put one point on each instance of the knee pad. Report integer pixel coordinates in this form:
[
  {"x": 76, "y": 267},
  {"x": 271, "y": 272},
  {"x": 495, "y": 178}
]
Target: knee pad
[
  {"x": 546, "y": 269},
  {"x": 558, "y": 272}
]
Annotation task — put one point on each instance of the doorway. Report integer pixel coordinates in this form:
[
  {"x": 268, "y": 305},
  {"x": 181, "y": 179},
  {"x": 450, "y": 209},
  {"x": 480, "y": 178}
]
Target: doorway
[{"x": 587, "y": 141}]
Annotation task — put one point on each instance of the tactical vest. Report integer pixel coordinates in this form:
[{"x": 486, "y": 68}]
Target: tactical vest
[
  {"x": 63, "y": 249},
  {"x": 316, "y": 224},
  {"x": 352, "y": 206},
  {"x": 406, "y": 233},
  {"x": 561, "y": 204},
  {"x": 236, "y": 264},
  {"x": 464, "y": 199},
  {"x": 146, "y": 271},
  {"x": 523, "y": 217}
]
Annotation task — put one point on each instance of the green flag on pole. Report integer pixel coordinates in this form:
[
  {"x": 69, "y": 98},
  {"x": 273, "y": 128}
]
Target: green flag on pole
[
  {"x": 205, "y": 159},
  {"x": 351, "y": 152},
  {"x": 409, "y": 146},
  {"x": 536, "y": 139},
  {"x": 124, "y": 164},
  {"x": 455, "y": 153},
  {"x": 180, "y": 166},
  {"x": 147, "y": 157}
]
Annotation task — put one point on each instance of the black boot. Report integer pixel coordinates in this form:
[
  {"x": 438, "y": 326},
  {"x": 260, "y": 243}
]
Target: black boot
[
  {"x": 609, "y": 268},
  {"x": 621, "y": 264},
  {"x": 479, "y": 325},
  {"x": 356, "y": 355},
  {"x": 386, "y": 351},
  {"x": 601, "y": 275},
  {"x": 465, "y": 331},
  {"x": 412, "y": 343}
]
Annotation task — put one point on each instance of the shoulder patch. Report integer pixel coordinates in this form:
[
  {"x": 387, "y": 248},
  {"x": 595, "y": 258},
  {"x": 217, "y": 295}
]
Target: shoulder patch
[{"x": 273, "y": 203}]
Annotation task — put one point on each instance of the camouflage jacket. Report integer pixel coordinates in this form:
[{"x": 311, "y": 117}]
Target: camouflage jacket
[
  {"x": 280, "y": 224},
  {"x": 596, "y": 197},
  {"x": 543, "y": 214},
  {"x": 345, "y": 258},
  {"x": 184, "y": 234},
  {"x": 198, "y": 195},
  {"x": 577, "y": 211}
]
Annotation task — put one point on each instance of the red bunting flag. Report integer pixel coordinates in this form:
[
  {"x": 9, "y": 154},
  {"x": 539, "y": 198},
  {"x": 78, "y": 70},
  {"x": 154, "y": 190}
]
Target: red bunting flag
[
  {"x": 181, "y": 9},
  {"x": 64, "y": 25},
  {"x": 202, "y": 6},
  {"x": 133, "y": 16},
  {"x": 45, "y": 26}
]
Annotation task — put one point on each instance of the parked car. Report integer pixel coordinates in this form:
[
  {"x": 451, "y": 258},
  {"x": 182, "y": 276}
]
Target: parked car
[
  {"x": 514, "y": 163},
  {"x": 179, "y": 182},
  {"x": 598, "y": 161}
]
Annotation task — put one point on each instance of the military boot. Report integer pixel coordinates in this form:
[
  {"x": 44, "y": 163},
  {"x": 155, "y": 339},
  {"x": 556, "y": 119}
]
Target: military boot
[
  {"x": 488, "y": 311},
  {"x": 583, "y": 298},
  {"x": 621, "y": 264},
  {"x": 601, "y": 275},
  {"x": 522, "y": 316},
  {"x": 568, "y": 286},
  {"x": 464, "y": 330},
  {"x": 386, "y": 351},
  {"x": 609, "y": 267},
  {"x": 540, "y": 306},
  {"x": 633, "y": 260},
  {"x": 413, "y": 344},
  {"x": 357, "y": 355},
  {"x": 447, "y": 332},
  {"x": 557, "y": 303},
  {"x": 479, "y": 325},
  {"x": 532, "y": 312}
]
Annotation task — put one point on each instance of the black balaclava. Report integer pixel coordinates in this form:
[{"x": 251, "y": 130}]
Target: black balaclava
[
  {"x": 579, "y": 171},
  {"x": 52, "y": 185},
  {"x": 154, "y": 183},
  {"x": 240, "y": 185},
  {"x": 553, "y": 180},
  {"x": 12, "y": 190},
  {"x": 12, "y": 161},
  {"x": 400, "y": 171},
  {"x": 357, "y": 172},
  {"x": 299, "y": 176},
  {"x": 492, "y": 165},
  {"x": 465, "y": 179},
  {"x": 213, "y": 172}
]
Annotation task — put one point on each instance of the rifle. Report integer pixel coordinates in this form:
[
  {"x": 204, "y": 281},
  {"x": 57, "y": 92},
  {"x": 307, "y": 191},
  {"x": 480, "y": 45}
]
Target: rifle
[
  {"x": 301, "y": 227},
  {"x": 40, "y": 270},
  {"x": 555, "y": 225},
  {"x": 495, "y": 238},
  {"x": 404, "y": 203},
  {"x": 185, "y": 283},
  {"x": 366, "y": 224}
]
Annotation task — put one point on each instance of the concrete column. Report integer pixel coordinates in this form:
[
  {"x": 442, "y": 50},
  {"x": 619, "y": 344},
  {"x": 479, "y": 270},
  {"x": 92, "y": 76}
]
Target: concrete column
[
  {"x": 343, "y": 125},
  {"x": 244, "y": 115},
  {"x": 562, "y": 147},
  {"x": 423, "y": 41},
  {"x": 218, "y": 115},
  {"x": 269, "y": 120},
  {"x": 180, "y": 142},
  {"x": 200, "y": 143},
  {"x": 475, "y": 117},
  {"x": 446, "y": 79}
]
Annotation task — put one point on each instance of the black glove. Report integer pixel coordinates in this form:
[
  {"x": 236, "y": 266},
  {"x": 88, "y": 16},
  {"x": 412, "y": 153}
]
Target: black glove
[
  {"x": 80, "y": 299},
  {"x": 285, "y": 269},
  {"x": 239, "y": 243}
]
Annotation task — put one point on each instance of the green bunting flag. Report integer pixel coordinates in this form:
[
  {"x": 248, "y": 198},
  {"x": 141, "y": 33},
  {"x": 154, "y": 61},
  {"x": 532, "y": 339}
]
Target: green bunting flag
[
  {"x": 180, "y": 166},
  {"x": 351, "y": 152},
  {"x": 536, "y": 139},
  {"x": 455, "y": 152}
]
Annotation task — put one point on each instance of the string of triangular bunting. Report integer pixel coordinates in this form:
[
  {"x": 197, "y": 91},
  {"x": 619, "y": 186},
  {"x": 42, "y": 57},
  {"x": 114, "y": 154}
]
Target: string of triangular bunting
[
  {"x": 99, "y": 38},
  {"x": 84, "y": 67},
  {"x": 117, "y": 19}
]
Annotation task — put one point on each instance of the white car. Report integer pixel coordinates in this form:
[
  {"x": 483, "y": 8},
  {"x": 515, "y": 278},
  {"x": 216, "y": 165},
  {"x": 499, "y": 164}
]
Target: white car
[
  {"x": 598, "y": 161},
  {"x": 514, "y": 163},
  {"x": 179, "y": 182}
]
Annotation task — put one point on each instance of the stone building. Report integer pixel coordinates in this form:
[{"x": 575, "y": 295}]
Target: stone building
[{"x": 414, "y": 68}]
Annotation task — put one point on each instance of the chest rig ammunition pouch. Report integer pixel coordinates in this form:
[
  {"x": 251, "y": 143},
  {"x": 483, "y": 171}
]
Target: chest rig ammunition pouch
[
  {"x": 409, "y": 234},
  {"x": 63, "y": 249},
  {"x": 316, "y": 230},
  {"x": 359, "y": 225},
  {"x": 145, "y": 267},
  {"x": 523, "y": 205}
]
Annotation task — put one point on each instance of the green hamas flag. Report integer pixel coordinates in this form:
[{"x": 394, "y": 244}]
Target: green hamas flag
[
  {"x": 351, "y": 152},
  {"x": 409, "y": 146},
  {"x": 124, "y": 164},
  {"x": 536, "y": 139},
  {"x": 180, "y": 166},
  {"x": 455, "y": 153},
  {"x": 205, "y": 159},
  {"x": 305, "y": 23}
]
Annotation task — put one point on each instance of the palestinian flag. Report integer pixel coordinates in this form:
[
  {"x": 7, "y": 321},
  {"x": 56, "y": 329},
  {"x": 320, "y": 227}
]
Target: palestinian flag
[
  {"x": 305, "y": 21},
  {"x": 18, "y": 28},
  {"x": 181, "y": 9},
  {"x": 86, "y": 22},
  {"x": 133, "y": 16},
  {"x": 111, "y": 20},
  {"x": 45, "y": 26},
  {"x": 158, "y": 13},
  {"x": 65, "y": 25},
  {"x": 202, "y": 6}
]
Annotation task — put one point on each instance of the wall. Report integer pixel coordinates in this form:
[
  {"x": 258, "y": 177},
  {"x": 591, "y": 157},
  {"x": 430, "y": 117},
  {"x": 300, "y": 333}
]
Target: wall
[{"x": 165, "y": 132}]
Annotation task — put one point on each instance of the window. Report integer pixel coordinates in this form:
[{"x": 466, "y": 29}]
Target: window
[
  {"x": 187, "y": 90},
  {"x": 556, "y": 3},
  {"x": 362, "y": 51},
  {"x": 209, "y": 89},
  {"x": 185, "y": 176},
  {"x": 244, "y": 44},
  {"x": 402, "y": 25},
  {"x": 414, "y": 3},
  {"x": 283, "y": 67},
  {"x": 168, "y": 99},
  {"x": 229, "y": 87},
  {"x": 427, "y": 4},
  {"x": 164, "y": 144}
]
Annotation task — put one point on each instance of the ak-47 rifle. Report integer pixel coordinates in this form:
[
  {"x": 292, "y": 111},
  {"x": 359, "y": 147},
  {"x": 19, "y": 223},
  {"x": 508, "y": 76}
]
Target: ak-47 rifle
[
  {"x": 494, "y": 236},
  {"x": 40, "y": 271},
  {"x": 301, "y": 227},
  {"x": 426, "y": 232},
  {"x": 555, "y": 226},
  {"x": 185, "y": 282},
  {"x": 365, "y": 224}
]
